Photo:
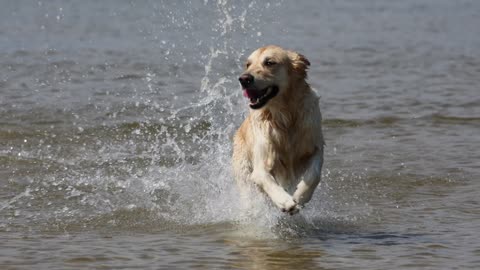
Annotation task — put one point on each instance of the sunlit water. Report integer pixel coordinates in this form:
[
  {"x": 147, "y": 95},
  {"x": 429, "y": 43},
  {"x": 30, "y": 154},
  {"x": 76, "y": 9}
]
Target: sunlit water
[{"x": 116, "y": 121}]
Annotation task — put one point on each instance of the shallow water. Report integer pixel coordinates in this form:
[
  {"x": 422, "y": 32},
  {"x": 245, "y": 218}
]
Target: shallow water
[{"x": 116, "y": 121}]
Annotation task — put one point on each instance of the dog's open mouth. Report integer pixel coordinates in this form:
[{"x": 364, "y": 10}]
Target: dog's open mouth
[{"x": 260, "y": 97}]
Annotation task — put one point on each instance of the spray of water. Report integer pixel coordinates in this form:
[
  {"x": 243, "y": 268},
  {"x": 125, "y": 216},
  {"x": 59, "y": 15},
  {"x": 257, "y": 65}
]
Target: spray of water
[{"x": 170, "y": 168}]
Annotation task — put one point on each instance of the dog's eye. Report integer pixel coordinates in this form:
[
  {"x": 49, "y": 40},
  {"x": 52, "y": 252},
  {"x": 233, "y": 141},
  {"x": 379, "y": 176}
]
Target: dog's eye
[
  {"x": 269, "y": 63},
  {"x": 247, "y": 64}
]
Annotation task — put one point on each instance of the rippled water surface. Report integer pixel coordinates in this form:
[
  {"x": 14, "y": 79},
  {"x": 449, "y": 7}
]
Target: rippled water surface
[{"x": 116, "y": 120}]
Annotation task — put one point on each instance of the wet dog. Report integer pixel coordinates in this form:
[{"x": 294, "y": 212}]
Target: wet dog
[{"x": 279, "y": 146}]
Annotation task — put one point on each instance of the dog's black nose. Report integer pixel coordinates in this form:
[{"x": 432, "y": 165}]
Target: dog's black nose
[{"x": 246, "y": 80}]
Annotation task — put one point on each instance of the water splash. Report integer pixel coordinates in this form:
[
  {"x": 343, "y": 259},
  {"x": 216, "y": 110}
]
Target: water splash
[{"x": 161, "y": 157}]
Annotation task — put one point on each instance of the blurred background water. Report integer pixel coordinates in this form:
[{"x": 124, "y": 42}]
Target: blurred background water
[{"x": 116, "y": 120}]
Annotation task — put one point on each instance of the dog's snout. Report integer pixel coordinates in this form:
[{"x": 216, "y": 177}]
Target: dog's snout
[{"x": 246, "y": 80}]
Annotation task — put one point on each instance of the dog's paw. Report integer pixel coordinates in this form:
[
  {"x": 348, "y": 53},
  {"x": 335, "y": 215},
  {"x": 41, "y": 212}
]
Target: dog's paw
[
  {"x": 291, "y": 207},
  {"x": 292, "y": 211}
]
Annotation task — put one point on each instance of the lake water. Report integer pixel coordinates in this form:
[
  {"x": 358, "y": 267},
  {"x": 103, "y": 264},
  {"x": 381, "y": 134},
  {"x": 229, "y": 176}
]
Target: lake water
[{"x": 116, "y": 119}]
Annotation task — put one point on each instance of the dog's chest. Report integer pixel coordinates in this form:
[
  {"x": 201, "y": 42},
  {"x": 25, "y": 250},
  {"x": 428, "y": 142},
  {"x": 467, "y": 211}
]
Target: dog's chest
[{"x": 284, "y": 153}]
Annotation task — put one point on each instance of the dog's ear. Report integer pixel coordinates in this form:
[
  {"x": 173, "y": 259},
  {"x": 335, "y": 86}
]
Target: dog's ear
[{"x": 300, "y": 64}]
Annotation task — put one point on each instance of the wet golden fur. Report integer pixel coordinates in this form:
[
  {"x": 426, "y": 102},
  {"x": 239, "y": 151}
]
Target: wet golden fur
[{"x": 279, "y": 147}]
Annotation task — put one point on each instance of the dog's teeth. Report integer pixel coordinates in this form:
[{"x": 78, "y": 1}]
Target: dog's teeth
[{"x": 266, "y": 93}]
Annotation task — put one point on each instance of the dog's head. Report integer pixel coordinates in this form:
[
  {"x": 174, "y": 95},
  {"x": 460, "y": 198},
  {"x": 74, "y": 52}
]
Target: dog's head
[{"x": 270, "y": 72}]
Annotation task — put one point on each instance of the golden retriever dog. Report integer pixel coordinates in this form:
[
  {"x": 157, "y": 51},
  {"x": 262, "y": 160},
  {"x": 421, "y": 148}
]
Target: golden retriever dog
[{"x": 279, "y": 146}]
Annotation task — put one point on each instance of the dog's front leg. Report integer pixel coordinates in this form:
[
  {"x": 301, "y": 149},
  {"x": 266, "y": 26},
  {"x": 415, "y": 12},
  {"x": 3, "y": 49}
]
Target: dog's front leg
[
  {"x": 310, "y": 178},
  {"x": 277, "y": 194}
]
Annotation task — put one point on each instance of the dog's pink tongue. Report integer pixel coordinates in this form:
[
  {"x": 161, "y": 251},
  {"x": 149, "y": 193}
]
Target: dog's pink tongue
[{"x": 249, "y": 93}]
